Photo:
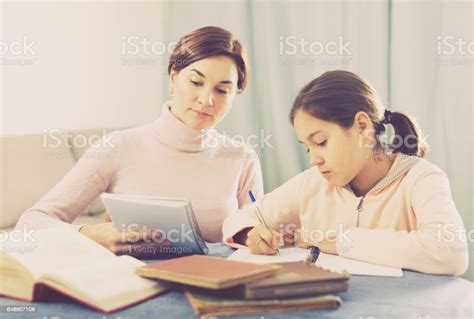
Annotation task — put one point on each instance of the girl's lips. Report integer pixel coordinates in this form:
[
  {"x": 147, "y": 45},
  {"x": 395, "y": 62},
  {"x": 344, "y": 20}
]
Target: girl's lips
[{"x": 326, "y": 174}]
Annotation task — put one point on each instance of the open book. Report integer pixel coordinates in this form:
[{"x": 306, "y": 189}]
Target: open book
[
  {"x": 330, "y": 262},
  {"x": 172, "y": 217},
  {"x": 61, "y": 260}
]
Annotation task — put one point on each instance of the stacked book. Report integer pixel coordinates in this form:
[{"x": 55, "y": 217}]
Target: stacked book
[{"x": 220, "y": 287}]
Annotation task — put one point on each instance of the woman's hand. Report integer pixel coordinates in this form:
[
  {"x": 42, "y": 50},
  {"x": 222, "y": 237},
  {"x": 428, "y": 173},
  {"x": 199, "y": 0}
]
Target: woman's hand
[
  {"x": 260, "y": 240},
  {"x": 327, "y": 244},
  {"x": 135, "y": 243}
]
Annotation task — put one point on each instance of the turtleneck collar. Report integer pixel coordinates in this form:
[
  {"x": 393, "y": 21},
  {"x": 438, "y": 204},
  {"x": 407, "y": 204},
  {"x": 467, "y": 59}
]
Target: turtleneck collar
[{"x": 172, "y": 132}]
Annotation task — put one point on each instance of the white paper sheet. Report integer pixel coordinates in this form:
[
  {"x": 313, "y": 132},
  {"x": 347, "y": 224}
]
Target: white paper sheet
[{"x": 326, "y": 261}]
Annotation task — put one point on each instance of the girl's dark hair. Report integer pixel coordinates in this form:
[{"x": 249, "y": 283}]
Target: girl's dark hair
[
  {"x": 208, "y": 42},
  {"x": 337, "y": 96}
]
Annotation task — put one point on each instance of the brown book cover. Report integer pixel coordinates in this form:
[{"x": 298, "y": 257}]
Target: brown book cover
[
  {"x": 297, "y": 279},
  {"x": 294, "y": 279},
  {"x": 209, "y": 306},
  {"x": 206, "y": 271}
]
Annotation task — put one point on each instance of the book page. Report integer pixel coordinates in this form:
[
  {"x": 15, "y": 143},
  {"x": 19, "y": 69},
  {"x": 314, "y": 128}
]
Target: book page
[
  {"x": 53, "y": 249},
  {"x": 356, "y": 267},
  {"x": 330, "y": 262},
  {"x": 289, "y": 254},
  {"x": 108, "y": 280},
  {"x": 170, "y": 202}
]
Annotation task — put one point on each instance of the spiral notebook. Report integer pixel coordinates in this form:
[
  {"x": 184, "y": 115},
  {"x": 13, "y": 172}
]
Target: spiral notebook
[{"x": 172, "y": 217}]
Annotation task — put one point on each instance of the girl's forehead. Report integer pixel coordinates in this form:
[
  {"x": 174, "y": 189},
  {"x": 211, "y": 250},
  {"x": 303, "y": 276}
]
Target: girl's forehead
[{"x": 308, "y": 121}]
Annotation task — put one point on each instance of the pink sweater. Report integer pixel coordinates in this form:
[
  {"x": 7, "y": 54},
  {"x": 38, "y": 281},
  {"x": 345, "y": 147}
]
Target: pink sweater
[
  {"x": 164, "y": 158},
  {"x": 407, "y": 220}
]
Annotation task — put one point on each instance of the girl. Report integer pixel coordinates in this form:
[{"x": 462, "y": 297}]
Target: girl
[
  {"x": 178, "y": 155},
  {"x": 361, "y": 199}
]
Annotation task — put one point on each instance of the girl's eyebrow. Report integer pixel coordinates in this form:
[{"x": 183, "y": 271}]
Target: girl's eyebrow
[
  {"x": 313, "y": 134},
  {"x": 202, "y": 75}
]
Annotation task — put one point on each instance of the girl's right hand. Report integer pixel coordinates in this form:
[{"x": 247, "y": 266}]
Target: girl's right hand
[
  {"x": 135, "y": 243},
  {"x": 262, "y": 241}
]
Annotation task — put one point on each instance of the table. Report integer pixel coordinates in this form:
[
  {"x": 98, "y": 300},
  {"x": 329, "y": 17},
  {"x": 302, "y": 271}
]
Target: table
[{"x": 416, "y": 295}]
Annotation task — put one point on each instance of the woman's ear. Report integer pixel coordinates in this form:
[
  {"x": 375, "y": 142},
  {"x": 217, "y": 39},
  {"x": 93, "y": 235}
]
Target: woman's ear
[{"x": 172, "y": 79}]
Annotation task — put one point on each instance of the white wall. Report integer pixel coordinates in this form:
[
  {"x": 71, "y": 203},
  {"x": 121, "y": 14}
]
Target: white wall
[{"x": 75, "y": 77}]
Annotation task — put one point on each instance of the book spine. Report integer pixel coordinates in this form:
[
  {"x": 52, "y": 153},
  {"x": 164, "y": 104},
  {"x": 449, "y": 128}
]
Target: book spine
[
  {"x": 196, "y": 231},
  {"x": 304, "y": 290}
]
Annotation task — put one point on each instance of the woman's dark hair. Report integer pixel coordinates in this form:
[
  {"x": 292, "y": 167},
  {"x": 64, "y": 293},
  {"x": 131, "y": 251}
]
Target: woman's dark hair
[
  {"x": 208, "y": 42},
  {"x": 337, "y": 96}
]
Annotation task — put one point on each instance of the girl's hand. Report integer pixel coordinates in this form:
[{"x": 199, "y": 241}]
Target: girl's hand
[
  {"x": 260, "y": 240},
  {"x": 135, "y": 243},
  {"x": 327, "y": 244}
]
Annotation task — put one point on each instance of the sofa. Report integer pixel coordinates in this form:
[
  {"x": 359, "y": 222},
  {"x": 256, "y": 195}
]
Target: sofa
[{"x": 30, "y": 165}]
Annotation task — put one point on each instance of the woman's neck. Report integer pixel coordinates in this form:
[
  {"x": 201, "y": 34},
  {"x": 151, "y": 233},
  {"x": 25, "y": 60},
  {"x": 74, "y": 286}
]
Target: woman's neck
[
  {"x": 175, "y": 133},
  {"x": 376, "y": 168}
]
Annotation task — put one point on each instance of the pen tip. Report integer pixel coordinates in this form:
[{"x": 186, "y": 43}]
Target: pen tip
[{"x": 252, "y": 198}]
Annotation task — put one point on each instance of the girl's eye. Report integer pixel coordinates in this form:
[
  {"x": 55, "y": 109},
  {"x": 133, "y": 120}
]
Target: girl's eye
[
  {"x": 195, "y": 83},
  {"x": 307, "y": 150},
  {"x": 221, "y": 91},
  {"x": 322, "y": 143}
]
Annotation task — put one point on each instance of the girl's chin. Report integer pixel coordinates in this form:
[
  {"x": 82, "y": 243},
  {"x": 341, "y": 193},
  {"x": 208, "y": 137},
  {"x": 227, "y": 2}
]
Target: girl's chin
[{"x": 336, "y": 182}]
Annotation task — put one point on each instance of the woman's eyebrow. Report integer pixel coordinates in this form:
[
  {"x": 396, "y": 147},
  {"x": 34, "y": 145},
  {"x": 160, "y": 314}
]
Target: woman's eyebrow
[
  {"x": 199, "y": 73},
  {"x": 202, "y": 75}
]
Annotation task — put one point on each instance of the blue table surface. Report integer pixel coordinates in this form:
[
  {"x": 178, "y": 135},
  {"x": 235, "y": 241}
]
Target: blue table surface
[{"x": 415, "y": 295}]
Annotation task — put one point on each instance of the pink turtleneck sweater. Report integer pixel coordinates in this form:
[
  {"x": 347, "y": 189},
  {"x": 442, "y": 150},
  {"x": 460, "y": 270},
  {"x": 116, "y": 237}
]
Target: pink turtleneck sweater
[{"x": 164, "y": 158}]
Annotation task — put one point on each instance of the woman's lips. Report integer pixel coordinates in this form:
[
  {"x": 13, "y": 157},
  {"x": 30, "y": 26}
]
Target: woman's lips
[{"x": 201, "y": 114}]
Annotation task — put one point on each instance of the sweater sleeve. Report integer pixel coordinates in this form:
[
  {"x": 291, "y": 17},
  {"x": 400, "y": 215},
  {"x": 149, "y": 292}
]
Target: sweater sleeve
[
  {"x": 437, "y": 246},
  {"x": 280, "y": 209},
  {"x": 91, "y": 176},
  {"x": 250, "y": 180}
]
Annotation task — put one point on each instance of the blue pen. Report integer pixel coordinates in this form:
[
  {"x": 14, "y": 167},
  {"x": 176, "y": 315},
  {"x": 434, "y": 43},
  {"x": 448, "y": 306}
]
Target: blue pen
[{"x": 259, "y": 215}]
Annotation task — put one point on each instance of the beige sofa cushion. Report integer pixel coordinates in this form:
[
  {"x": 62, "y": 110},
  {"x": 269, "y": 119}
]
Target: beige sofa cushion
[{"x": 28, "y": 170}]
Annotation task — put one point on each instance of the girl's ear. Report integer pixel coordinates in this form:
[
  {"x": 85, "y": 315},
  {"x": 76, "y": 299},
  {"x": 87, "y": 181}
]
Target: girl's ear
[{"x": 362, "y": 121}]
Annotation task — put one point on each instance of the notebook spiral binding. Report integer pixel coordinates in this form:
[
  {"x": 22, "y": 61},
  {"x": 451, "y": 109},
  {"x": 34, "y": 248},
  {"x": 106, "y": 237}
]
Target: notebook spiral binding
[{"x": 197, "y": 231}]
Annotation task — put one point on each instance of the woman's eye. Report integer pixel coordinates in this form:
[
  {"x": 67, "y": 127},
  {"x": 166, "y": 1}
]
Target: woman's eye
[{"x": 196, "y": 83}]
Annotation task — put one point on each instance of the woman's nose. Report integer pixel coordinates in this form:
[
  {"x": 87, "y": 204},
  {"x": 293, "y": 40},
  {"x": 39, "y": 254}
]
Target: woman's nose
[{"x": 206, "y": 98}]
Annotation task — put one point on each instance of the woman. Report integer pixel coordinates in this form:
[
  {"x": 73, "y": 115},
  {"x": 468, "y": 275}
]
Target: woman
[
  {"x": 178, "y": 155},
  {"x": 362, "y": 199}
]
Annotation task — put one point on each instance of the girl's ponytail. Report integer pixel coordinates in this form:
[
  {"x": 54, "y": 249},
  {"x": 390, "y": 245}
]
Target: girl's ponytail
[{"x": 407, "y": 136}]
